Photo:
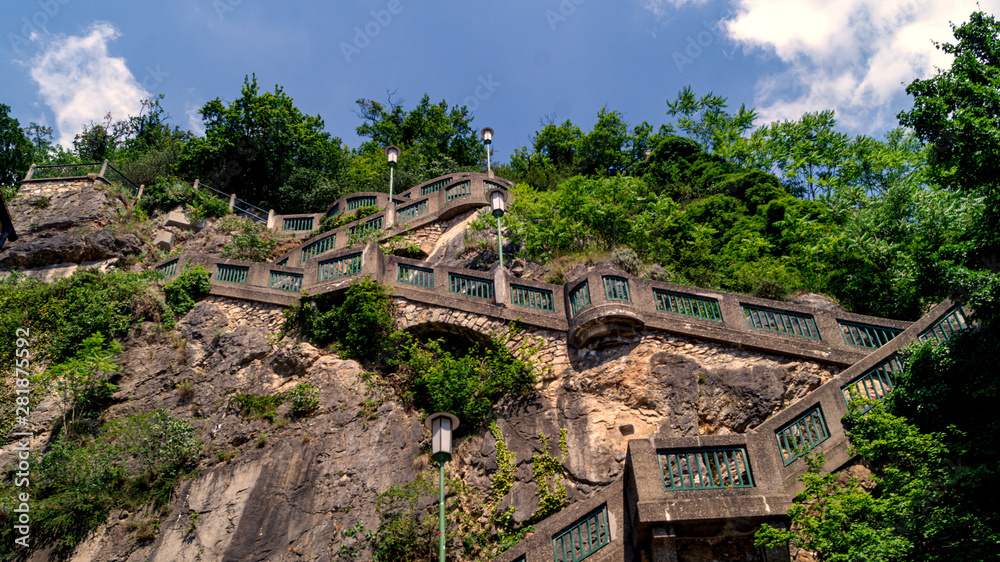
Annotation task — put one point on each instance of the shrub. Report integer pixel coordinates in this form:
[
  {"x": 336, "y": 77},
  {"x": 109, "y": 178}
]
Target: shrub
[
  {"x": 362, "y": 324},
  {"x": 256, "y": 406},
  {"x": 437, "y": 381},
  {"x": 188, "y": 286},
  {"x": 124, "y": 464},
  {"x": 303, "y": 399},
  {"x": 251, "y": 242},
  {"x": 627, "y": 260},
  {"x": 336, "y": 221}
]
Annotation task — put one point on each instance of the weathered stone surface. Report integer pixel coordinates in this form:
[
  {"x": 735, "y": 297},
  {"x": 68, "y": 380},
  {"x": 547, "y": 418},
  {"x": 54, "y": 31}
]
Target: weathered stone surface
[
  {"x": 69, "y": 224},
  {"x": 164, "y": 240}
]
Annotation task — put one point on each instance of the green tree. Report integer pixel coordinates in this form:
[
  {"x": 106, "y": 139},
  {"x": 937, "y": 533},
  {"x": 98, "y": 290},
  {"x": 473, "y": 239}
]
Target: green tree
[
  {"x": 957, "y": 111},
  {"x": 706, "y": 121},
  {"x": 253, "y": 145},
  {"x": 15, "y": 150},
  {"x": 932, "y": 448}
]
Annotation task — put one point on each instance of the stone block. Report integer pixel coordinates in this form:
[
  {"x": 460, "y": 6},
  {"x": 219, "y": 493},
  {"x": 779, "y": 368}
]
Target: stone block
[{"x": 164, "y": 240}]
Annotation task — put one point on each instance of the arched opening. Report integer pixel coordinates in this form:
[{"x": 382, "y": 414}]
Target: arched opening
[{"x": 457, "y": 340}]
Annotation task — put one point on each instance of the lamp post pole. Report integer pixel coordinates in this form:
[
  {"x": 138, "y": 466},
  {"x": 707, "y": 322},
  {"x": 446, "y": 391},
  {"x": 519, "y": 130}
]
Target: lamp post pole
[
  {"x": 487, "y": 134},
  {"x": 499, "y": 207},
  {"x": 391, "y": 154},
  {"x": 441, "y": 425}
]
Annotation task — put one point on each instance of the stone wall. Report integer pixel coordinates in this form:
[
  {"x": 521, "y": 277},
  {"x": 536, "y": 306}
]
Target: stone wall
[
  {"x": 426, "y": 237},
  {"x": 257, "y": 315},
  {"x": 50, "y": 188}
]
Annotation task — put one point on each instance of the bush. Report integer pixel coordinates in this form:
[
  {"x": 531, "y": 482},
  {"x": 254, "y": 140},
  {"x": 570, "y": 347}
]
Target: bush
[
  {"x": 188, "y": 286},
  {"x": 303, "y": 399},
  {"x": 124, "y": 464},
  {"x": 437, "y": 381},
  {"x": 169, "y": 195},
  {"x": 362, "y": 324},
  {"x": 251, "y": 242},
  {"x": 336, "y": 221}
]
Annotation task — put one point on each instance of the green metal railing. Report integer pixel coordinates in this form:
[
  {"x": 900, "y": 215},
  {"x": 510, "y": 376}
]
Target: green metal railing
[
  {"x": 432, "y": 187},
  {"x": 873, "y": 385},
  {"x": 413, "y": 211},
  {"x": 458, "y": 190},
  {"x": 364, "y": 229},
  {"x": 339, "y": 267},
  {"x": 616, "y": 289},
  {"x": 470, "y": 286},
  {"x": 282, "y": 262},
  {"x": 297, "y": 224},
  {"x": 532, "y": 298},
  {"x": 952, "y": 323},
  {"x": 800, "y": 436},
  {"x": 780, "y": 321},
  {"x": 358, "y": 202},
  {"x": 863, "y": 335},
  {"x": 418, "y": 276},
  {"x": 583, "y": 538},
  {"x": 114, "y": 175},
  {"x": 489, "y": 186},
  {"x": 286, "y": 281},
  {"x": 334, "y": 211},
  {"x": 318, "y": 247},
  {"x": 168, "y": 269},
  {"x": 688, "y": 305},
  {"x": 66, "y": 170},
  {"x": 232, "y": 273},
  {"x": 706, "y": 469},
  {"x": 579, "y": 298}
]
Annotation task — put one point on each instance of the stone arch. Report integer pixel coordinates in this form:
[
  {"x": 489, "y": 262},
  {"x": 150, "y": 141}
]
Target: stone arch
[{"x": 419, "y": 318}]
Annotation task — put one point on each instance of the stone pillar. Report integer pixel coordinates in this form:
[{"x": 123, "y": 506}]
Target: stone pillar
[
  {"x": 664, "y": 545},
  {"x": 501, "y": 286},
  {"x": 390, "y": 215},
  {"x": 232, "y": 202},
  {"x": 271, "y": 219}
]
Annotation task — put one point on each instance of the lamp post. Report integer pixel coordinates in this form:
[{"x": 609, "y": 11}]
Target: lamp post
[
  {"x": 487, "y": 134},
  {"x": 499, "y": 207},
  {"x": 391, "y": 154},
  {"x": 441, "y": 425}
]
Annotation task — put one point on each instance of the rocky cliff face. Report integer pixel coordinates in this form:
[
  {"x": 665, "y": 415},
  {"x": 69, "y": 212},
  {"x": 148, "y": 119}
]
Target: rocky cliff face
[
  {"x": 288, "y": 491},
  {"x": 73, "y": 222}
]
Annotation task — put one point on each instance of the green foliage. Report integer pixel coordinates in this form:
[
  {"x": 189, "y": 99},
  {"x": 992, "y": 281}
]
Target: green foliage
[
  {"x": 434, "y": 140},
  {"x": 255, "y": 144},
  {"x": 170, "y": 194},
  {"x": 83, "y": 382},
  {"x": 468, "y": 386},
  {"x": 503, "y": 478},
  {"x": 303, "y": 399},
  {"x": 123, "y": 464},
  {"x": 360, "y": 322},
  {"x": 62, "y": 314},
  {"x": 327, "y": 224},
  {"x": 956, "y": 112},
  {"x": 548, "y": 476},
  {"x": 251, "y": 241},
  {"x": 256, "y": 406},
  {"x": 185, "y": 288},
  {"x": 931, "y": 448}
]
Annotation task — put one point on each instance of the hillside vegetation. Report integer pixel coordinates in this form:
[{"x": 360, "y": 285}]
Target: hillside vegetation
[{"x": 885, "y": 227}]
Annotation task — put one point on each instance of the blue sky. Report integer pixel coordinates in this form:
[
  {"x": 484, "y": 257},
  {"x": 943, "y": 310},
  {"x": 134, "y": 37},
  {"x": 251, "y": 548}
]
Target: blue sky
[{"x": 65, "y": 63}]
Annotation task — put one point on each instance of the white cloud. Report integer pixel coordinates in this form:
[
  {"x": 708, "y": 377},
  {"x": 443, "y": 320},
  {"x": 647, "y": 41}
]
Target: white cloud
[
  {"x": 195, "y": 123},
  {"x": 661, "y": 7},
  {"x": 855, "y": 56},
  {"x": 81, "y": 82}
]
